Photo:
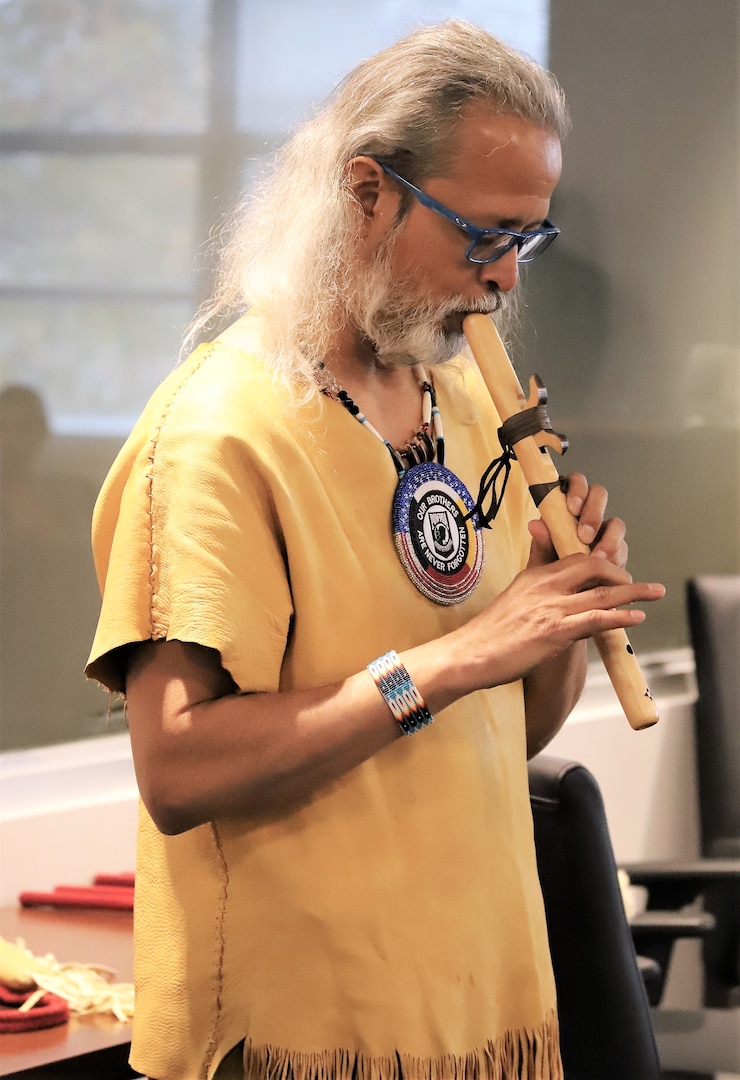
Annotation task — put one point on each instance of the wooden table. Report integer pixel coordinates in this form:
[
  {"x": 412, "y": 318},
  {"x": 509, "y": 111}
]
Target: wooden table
[{"x": 87, "y": 1047}]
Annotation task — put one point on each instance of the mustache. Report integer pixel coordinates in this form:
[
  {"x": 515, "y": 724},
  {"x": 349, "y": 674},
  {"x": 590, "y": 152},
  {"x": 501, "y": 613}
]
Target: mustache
[{"x": 485, "y": 305}]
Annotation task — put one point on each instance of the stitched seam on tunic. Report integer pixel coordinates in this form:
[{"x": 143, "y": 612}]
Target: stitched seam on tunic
[
  {"x": 221, "y": 945},
  {"x": 150, "y": 486}
]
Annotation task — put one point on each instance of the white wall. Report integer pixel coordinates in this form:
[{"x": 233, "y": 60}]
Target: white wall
[
  {"x": 633, "y": 318},
  {"x": 66, "y": 813},
  {"x": 647, "y": 778}
]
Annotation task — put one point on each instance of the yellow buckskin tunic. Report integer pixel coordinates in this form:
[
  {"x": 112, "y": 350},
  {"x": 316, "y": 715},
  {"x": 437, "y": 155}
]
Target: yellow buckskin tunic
[{"x": 395, "y": 921}]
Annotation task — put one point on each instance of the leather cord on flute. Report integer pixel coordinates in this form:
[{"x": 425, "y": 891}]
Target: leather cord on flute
[{"x": 526, "y": 438}]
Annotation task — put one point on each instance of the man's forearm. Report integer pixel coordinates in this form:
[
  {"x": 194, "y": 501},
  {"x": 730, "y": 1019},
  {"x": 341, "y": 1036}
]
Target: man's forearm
[{"x": 550, "y": 693}]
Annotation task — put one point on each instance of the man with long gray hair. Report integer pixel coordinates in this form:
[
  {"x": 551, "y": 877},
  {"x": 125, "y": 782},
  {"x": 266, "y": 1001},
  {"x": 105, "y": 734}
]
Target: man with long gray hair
[{"x": 295, "y": 576}]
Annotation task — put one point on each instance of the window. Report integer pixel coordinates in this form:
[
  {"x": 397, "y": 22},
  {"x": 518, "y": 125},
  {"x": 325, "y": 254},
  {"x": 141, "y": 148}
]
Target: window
[
  {"x": 105, "y": 109},
  {"x": 129, "y": 128}
]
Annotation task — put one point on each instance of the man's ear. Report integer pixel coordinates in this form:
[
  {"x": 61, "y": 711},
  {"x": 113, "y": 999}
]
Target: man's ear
[
  {"x": 369, "y": 185},
  {"x": 365, "y": 177}
]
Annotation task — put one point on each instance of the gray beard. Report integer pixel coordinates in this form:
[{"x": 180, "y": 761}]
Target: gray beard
[
  {"x": 416, "y": 335},
  {"x": 404, "y": 327}
]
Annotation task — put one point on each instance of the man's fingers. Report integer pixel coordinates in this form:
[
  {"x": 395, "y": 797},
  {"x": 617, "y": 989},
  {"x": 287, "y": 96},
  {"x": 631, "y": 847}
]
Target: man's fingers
[
  {"x": 609, "y": 597},
  {"x": 580, "y": 572}
]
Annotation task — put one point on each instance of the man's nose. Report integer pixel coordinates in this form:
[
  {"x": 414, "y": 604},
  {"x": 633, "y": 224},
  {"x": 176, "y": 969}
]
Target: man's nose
[{"x": 503, "y": 273}]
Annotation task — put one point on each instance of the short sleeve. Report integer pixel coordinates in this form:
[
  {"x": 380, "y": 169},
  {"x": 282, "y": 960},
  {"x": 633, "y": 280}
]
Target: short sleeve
[{"x": 186, "y": 541}]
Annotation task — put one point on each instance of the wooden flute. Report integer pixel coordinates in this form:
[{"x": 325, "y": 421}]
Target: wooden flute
[{"x": 544, "y": 482}]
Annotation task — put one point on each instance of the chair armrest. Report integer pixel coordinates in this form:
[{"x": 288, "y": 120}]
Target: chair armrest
[
  {"x": 673, "y": 884},
  {"x": 696, "y": 870},
  {"x": 650, "y": 925}
]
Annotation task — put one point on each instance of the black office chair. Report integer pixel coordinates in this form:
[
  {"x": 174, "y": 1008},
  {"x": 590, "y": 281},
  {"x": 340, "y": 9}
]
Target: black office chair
[
  {"x": 606, "y": 1030},
  {"x": 713, "y": 608},
  {"x": 704, "y": 893}
]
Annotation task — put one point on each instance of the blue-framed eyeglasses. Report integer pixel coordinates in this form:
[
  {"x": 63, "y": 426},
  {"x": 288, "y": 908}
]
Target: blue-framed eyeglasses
[{"x": 486, "y": 245}]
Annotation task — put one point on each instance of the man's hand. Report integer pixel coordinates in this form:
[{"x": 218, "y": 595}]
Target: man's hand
[
  {"x": 605, "y": 537},
  {"x": 553, "y": 604}
]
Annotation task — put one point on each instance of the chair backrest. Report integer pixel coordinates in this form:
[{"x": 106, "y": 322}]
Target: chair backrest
[
  {"x": 713, "y": 609},
  {"x": 605, "y": 1023}
]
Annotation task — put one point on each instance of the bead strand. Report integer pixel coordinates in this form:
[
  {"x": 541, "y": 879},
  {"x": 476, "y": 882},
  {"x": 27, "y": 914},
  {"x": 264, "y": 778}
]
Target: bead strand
[{"x": 422, "y": 447}]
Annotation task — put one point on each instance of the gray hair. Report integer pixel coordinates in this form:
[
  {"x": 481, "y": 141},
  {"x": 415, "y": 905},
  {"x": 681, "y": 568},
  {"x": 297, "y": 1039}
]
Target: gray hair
[{"x": 291, "y": 246}]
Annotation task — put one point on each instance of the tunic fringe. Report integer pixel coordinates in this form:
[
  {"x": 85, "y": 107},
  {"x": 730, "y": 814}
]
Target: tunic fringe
[{"x": 516, "y": 1055}]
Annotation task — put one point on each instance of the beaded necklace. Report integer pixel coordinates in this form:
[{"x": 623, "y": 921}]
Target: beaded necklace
[
  {"x": 436, "y": 529},
  {"x": 428, "y": 444}
]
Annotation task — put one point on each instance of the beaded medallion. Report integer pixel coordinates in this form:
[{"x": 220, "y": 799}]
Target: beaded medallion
[
  {"x": 435, "y": 529},
  {"x": 437, "y": 541}
]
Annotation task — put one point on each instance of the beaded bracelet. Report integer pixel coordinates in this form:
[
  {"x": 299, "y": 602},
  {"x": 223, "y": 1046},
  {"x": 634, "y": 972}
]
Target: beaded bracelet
[{"x": 400, "y": 693}]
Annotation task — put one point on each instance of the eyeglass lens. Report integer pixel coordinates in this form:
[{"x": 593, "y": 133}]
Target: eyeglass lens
[{"x": 489, "y": 247}]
